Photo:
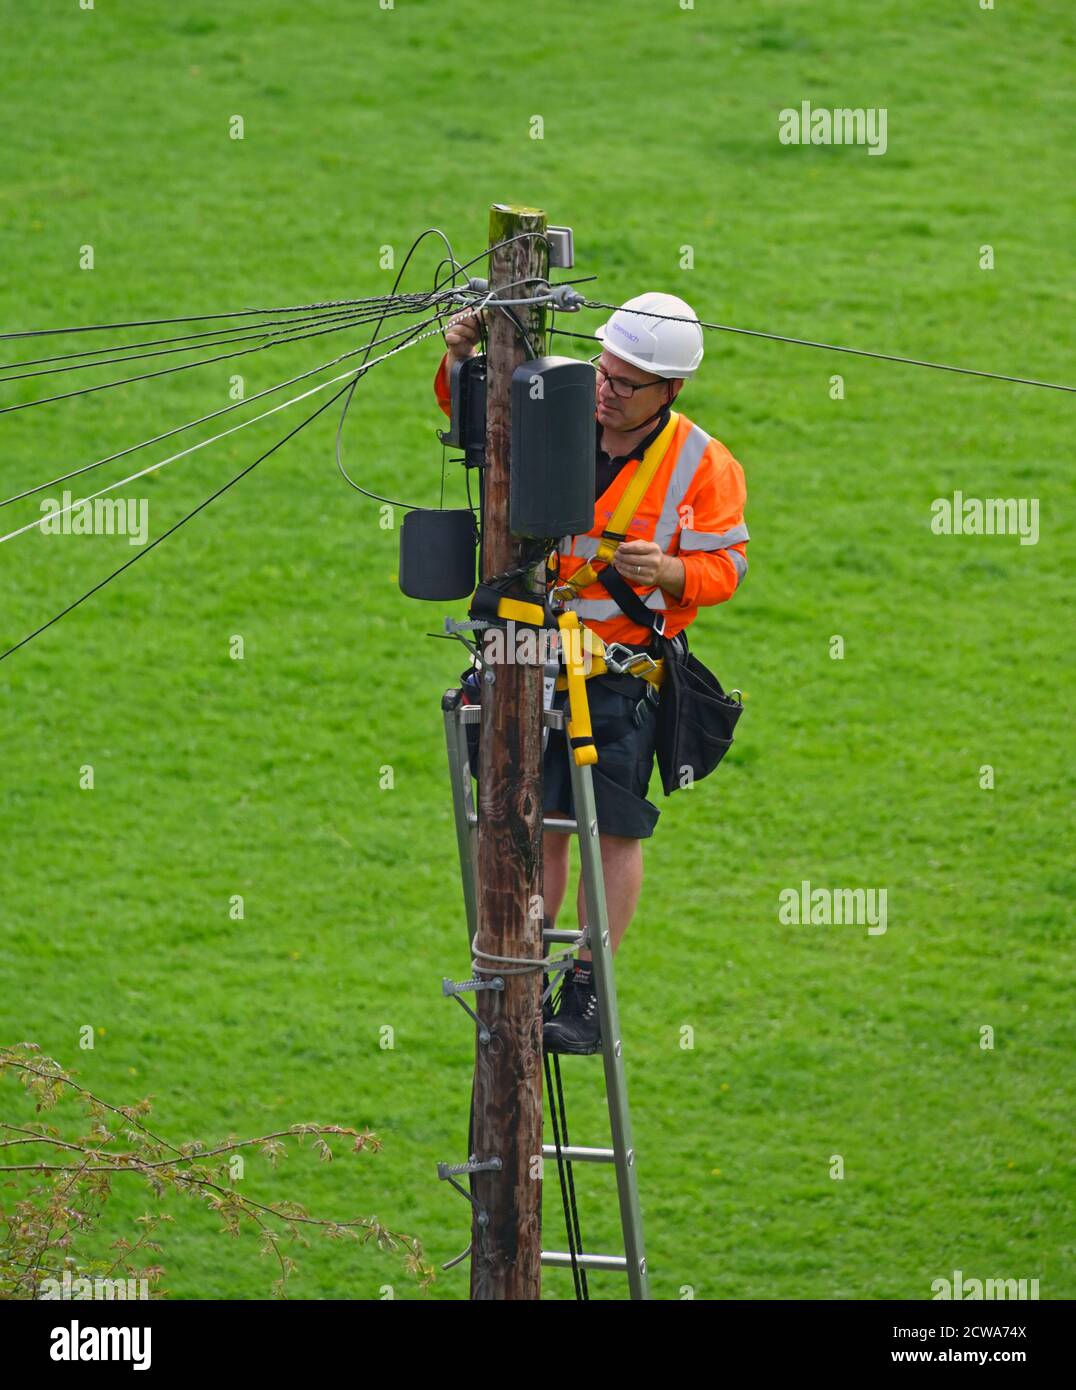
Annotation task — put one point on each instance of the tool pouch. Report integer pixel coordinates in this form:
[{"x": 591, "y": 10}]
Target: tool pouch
[{"x": 695, "y": 717}]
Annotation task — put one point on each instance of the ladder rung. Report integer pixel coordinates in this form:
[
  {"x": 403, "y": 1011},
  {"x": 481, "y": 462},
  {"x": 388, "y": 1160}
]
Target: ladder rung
[
  {"x": 557, "y": 1259},
  {"x": 575, "y": 938},
  {"x": 472, "y": 714},
  {"x": 548, "y": 823},
  {"x": 577, "y": 1154}
]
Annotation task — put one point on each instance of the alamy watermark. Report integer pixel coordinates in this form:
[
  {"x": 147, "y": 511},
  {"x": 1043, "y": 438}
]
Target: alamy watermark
[
  {"x": 839, "y": 125},
  {"x": 521, "y": 645},
  {"x": 97, "y": 516},
  {"x": 960, "y": 1287},
  {"x": 986, "y": 516},
  {"x": 824, "y": 907},
  {"x": 80, "y": 1287},
  {"x": 77, "y": 1343}
]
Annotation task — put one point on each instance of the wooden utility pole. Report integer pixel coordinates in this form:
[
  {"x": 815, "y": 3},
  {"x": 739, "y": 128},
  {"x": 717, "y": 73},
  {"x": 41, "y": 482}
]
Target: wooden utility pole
[{"x": 506, "y": 1249}]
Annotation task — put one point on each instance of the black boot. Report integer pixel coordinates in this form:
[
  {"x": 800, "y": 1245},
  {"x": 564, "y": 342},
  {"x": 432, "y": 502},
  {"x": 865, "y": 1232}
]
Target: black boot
[
  {"x": 575, "y": 1028},
  {"x": 556, "y": 996}
]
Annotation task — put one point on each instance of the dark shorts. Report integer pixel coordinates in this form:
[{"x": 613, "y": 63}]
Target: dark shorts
[{"x": 622, "y": 773}]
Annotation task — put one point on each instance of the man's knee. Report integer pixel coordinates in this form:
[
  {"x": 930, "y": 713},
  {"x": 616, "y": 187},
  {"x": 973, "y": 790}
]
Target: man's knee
[
  {"x": 620, "y": 844},
  {"x": 555, "y": 846}
]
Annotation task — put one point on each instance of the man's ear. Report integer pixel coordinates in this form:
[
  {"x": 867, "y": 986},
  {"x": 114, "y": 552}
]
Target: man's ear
[{"x": 678, "y": 383}]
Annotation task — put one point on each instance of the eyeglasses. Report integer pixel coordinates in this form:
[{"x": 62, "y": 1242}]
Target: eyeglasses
[{"x": 621, "y": 386}]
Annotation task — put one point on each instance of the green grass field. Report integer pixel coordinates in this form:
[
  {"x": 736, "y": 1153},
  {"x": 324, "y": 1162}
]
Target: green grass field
[{"x": 260, "y": 777}]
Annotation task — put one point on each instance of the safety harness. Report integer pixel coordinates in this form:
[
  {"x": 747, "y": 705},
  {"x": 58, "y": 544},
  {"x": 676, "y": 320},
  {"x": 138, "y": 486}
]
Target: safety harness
[
  {"x": 490, "y": 604},
  {"x": 584, "y": 653}
]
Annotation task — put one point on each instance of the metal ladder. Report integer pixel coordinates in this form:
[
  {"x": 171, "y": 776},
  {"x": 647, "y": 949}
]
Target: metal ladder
[{"x": 622, "y": 1154}]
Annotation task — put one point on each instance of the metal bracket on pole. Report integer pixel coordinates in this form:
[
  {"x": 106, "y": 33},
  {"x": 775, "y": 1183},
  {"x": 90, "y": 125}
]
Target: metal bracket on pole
[
  {"x": 448, "y": 1172},
  {"x": 456, "y": 630},
  {"x": 453, "y": 991},
  {"x": 468, "y": 625},
  {"x": 561, "y": 248}
]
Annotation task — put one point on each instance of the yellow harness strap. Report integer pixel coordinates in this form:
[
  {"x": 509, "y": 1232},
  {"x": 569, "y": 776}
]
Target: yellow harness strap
[
  {"x": 580, "y": 734},
  {"x": 520, "y": 611},
  {"x": 625, "y": 510},
  {"x": 577, "y": 643},
  {"x": 599, "y": 666}
]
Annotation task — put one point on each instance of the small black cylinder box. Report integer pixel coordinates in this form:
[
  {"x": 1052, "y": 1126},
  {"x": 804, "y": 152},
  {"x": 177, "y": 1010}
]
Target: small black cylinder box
[
  {"x": 437, "y": 554},
  {"x": 553, "y": 430}
]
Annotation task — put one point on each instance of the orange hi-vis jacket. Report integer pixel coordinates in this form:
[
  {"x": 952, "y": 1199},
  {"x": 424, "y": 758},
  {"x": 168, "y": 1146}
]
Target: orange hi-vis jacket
[{"x": 693, "y": 509}]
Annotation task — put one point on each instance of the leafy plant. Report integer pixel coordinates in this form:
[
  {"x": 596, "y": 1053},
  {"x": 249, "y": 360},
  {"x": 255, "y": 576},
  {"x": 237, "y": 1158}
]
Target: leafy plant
[{"x": 46, "y": 1229}]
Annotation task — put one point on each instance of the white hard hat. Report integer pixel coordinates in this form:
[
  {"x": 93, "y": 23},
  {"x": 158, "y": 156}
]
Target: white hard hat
[{"x": 663, "y": 346}]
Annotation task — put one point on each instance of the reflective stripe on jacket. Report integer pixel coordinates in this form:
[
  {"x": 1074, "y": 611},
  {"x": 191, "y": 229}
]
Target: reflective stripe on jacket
[{"x": 693, "y": 509}]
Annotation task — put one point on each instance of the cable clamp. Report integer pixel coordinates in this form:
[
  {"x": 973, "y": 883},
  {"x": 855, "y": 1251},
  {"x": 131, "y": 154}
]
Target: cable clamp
[{"x": 567, "y": 299}]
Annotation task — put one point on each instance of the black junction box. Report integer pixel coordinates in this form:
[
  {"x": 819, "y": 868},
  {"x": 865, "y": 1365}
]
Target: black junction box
[
  {"x": 553, "y": 436},
  {"x": 438, "y": 550}
]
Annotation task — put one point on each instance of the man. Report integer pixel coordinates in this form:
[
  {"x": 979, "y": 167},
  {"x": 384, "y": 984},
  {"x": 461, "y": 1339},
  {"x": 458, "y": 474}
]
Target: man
[{"x": 685, "y": 548}]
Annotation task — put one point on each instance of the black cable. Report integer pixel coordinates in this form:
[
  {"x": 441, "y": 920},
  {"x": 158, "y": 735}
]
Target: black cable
[
  {"x": 188, "y": 343},
  {"x": 519, "y": 236},
  {"x": 571, "y": 333},
  {"x": 172, "y": 529},
  {"x": 429, "y": 231},
  {"x": 568, "y": 1225},
  {"x": 456, "y": 270},
  {"x": 392, "y": 501},
  {"x": 467, "y": 480},
  {"x": 570, "y": 1170},
  {"x": 508, "y": 310},
  {"x": 201, "y": 420},
  {"x": 178, "y": 367},
  {"x": 481, "y": 520},
  {"x": 833, "y": 347},
  {"x": 559, "y": 1120},
  {"x": 191, "y": 318},
  {"x": 470, "y": 1151},
  {"x": 175, "y": 338}
]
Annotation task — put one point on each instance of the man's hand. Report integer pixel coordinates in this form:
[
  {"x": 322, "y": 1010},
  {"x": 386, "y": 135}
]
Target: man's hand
[
  {"x": 462, "y": 337},
  {"x": 645, "y": 563}
]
